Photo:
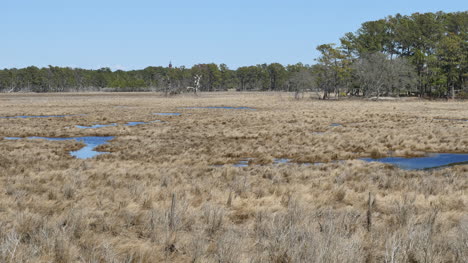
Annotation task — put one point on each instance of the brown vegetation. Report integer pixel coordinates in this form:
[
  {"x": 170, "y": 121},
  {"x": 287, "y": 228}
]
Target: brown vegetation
[{"x": 158, "y": 196}]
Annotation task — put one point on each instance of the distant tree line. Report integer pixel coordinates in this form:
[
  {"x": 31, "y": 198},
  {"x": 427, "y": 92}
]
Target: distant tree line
[
  {"x": 421, "y": 54},
  {"x": 212, "y": 77}
]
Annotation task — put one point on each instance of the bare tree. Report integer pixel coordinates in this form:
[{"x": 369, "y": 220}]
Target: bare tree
[
  {"x": 377, "y": 75},
  {"x": 196, "y": 82},
  {"x": 300, "y": 82}
]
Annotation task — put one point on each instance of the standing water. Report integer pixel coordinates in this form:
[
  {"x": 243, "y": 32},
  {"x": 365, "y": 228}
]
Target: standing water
[
  {"x": 426, "y": 162},
  {"x": 91, "y": 142}
]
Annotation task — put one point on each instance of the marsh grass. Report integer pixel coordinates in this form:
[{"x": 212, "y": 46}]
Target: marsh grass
[{"x": 157, "y": 198}]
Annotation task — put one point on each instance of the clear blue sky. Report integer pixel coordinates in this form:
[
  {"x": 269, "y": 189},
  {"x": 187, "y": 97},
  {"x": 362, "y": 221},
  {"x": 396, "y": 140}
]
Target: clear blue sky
[{"x": 140, "y": 33}]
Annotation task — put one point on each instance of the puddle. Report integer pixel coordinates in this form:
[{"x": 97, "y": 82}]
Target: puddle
[
  {"x": 336, "y": 124},
  {"x": 221, "y": 107},
  {"x": 243, "y": 162},
  {"x": 95, "y": 126},
  {"x": 86, "y": 152},
  {"x": 167, "y": 113},
  {"x": 134, "y": 123},
  {"x": 431, "y": 161},
  {"x": 281, "y": 161},
  {"x": 419, "y": 163},
  {"x": 40, "y": 116}
]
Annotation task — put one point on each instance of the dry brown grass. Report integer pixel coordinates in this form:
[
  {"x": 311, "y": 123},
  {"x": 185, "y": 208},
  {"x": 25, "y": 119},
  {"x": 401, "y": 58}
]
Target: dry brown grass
[{"x": 158, "y": 198}]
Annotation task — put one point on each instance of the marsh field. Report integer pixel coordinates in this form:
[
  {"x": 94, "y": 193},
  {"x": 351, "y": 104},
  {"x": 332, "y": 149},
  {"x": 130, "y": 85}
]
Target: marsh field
[{"x": 275, "y": 180}]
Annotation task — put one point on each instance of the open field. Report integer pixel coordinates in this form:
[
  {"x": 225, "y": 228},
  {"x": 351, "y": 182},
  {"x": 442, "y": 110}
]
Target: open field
[{"x": 167, "y": 191}]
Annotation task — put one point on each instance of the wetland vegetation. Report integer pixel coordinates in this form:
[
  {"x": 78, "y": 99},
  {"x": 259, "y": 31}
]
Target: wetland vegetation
[{"x": 171, "y": 191}]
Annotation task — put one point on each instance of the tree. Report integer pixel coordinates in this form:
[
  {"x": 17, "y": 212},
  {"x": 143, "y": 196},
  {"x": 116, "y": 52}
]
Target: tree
[
  {"x": 372, "y": 36},
  {"x": 333, "y": 69},
  {"x": 253, "y": 77},
  {"x": 277, "y": 75},
  {"x": 376, "y": 74},
  {"x": 300, "y": 81},
  {"x": 211, "y": 76},
  {"x": 228, "y": 79},
  {"x": 452, "y": 63},
  {"x": 432, "y": 47},
  {"x": 422, "y": 38}
]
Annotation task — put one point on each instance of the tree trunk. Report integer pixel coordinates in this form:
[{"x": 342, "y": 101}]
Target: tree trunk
[
  {"x": 453, "y": 91},
  {"x": 325, "y": 94}
]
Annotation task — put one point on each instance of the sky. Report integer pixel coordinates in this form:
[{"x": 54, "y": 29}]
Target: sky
[{"x": 139, "y": 33}]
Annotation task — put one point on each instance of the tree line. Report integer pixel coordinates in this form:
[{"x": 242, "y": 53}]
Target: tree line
[
  {"x": 211, "y": 77},
  {"x": 419, "y": 54}
]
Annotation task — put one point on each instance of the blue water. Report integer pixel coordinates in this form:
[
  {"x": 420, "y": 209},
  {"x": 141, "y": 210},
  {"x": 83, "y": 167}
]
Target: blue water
[
  {"x": 336, "y": 124},
  {"x": 222, "y": 107},
  {"x": 168, "y": 113},
  {"x": 242, "y": 163},
  {"x": 134, "y": 123},
  {"x": 39, "y": 116},
  {"x": 91, "y": 142},
  {"x": 95, "y": 126},
  {"x": 414, "y": 163},
  {"x": 281, "y": 160},
  {"x": 427, "y": 162}
]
